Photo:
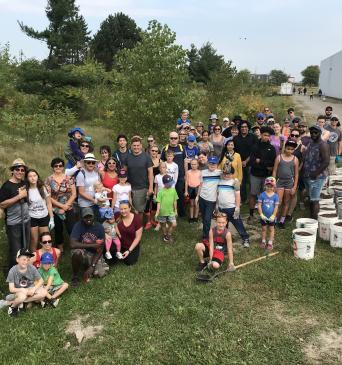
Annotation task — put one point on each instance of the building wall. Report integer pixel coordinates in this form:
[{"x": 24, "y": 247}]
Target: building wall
[{"x": 330, "y": 78}]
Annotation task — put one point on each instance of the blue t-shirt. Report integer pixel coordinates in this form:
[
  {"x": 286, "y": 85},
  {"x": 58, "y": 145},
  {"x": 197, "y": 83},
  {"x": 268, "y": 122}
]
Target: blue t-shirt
[
  {"x": 268, "y": 203},
  {"x": 180, "y": 121},
  {"x": 87, "y": 234},
  {"x": 191, "y": 152}
]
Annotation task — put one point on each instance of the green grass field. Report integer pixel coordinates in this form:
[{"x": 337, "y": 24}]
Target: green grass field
[{"x": 278, "y": 311}]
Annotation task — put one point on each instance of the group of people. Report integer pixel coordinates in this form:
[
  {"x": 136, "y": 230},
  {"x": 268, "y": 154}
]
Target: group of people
[{"x": 105, "y": 204}]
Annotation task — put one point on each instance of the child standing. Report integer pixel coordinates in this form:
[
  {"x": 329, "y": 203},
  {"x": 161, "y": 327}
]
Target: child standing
[
  {"x": 171, "y": 167},
  {"x": 268, "y": 202},
  {"x": 167, "y": 208},
  {"x": 111, "y": 237},
  {"x": 53, "y": 283},
  {"x": 158, "y": 184},
  {"x": 121, "y": 191},
  {"x": 101, "y": 198},
  {"x": 191, "y": 150},
  {"x": 220, "y": 241},
  {"x": 192, "y": 182},
  {"x": 72, "y": 150}
]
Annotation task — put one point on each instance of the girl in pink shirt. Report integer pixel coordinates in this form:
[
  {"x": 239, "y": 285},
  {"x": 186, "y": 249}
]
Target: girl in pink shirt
[{"x": 192, "y": 182}]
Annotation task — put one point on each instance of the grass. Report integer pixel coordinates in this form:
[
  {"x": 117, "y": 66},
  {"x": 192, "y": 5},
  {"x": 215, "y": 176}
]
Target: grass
[{"x": 155, "y": 312}]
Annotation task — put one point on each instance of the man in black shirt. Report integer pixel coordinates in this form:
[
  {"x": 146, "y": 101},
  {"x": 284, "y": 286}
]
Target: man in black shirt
[{"x": 122, "y": 152}]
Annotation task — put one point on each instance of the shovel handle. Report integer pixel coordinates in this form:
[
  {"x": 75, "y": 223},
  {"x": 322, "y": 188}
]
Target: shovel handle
[{"x": 257, "y": 259}]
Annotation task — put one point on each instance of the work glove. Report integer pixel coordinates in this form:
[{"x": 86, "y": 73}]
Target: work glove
[
  {"x": 338, "y": 159},
  {"x": 263, "y": 217},
  {"x": 51, "y": 224},
  {"x": 236, "y": 214},
  {"x": 272, "y": 218}
]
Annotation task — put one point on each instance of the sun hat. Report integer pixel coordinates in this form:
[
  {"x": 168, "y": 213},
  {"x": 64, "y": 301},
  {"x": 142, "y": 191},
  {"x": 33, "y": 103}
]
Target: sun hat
[
  {"x": 46, "y": 258},
  {"x": 213, "y": 116},
  {"x": 17, "y": 162},
  {"x": 90, "y": 157},
  {"x": 74, "y": 130},
  {"x": 24, "y": 252}
]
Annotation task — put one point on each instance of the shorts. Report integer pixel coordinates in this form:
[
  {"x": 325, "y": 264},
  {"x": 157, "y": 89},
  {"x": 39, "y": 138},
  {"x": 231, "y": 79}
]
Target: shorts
[
  {"x": 314, "y": 188},
  {"x": 267, "y": 223},
  {"x": 53, "y": 289},
  {"x": 165, "y": 219},
  {"x": 192, "y": 192},
  {"x": 40, "y": 222},
  {"x": 218, "y": 255},
  {"x": 286, "y": 184},
  {"x": 256, "y": 185},
  {"x": 139, "y": 198}
]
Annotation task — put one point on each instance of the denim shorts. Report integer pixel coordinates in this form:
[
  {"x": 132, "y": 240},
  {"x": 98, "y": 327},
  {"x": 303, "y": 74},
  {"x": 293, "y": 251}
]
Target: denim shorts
[
  {"x": 314, "y": 188},
  {"x": 165, "y": 219}
]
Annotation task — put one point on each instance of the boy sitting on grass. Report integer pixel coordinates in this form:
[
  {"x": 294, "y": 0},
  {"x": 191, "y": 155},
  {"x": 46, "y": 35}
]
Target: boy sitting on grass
[
  {"x": 167, "y": 208},
  {"x": 53, "y": 283},
  {"x": 220, "y": 241},
  {"x": 25, "y": 284}
]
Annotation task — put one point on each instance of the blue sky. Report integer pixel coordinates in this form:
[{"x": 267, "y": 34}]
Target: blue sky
[{"x": 282, "y": 34}]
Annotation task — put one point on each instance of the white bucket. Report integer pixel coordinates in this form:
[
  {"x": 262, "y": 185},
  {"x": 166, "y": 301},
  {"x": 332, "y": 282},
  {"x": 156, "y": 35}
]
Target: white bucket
[
  {"x": 336, "y": 234},
  {"x": 338, "y": 192},
  {"x": 324, "y": 222},
  {"x": 304, "y": 241},
  {"x": 328, "y": 210},
  {"x": 326, "y": 199},
  {"x": 307, "y": 223},
  {"x": 339, "y": 209}
]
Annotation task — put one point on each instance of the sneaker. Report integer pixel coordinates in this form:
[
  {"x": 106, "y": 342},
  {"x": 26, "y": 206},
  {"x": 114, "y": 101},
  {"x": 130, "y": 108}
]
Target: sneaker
[
  {"x": 3, "y": 303},
  {"x": 13, "y": 311},
  {"x": 43, "y": 304},
  {"x": 166, "y": 238},
  {"x": 201, "y": 266},
  {"x": 301, "y": 206},
  {"x": 191, "y": 220},
  {"x": 289, "y": 218},
  {"x": 108, "y": 255},
  {"x": 54, "y": 302},
  {"x": 75, "y": 282},
  {"x": 119, "y": 255},
  {"x": 281, "y": 225},
  {"x": 148, "y": 225},
  {"x": 269, "y": 247},
  {"x": 231, "y": 268},
  {"x": 246, "y": 243},
  {"x": 262, "y": 245}
]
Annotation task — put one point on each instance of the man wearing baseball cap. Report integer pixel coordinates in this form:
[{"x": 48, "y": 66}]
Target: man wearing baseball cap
[
  {"x": 13, "y": 199},
  {"x": 314, "y": 170}
]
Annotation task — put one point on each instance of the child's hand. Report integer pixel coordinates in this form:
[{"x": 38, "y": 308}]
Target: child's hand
[
  {"x": 263, "y": 217},
  {"x": 272, "y": 218}
]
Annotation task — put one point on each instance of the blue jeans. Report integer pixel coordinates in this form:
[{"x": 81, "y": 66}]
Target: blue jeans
[
  {"x": 207, "y": 209},
  {"x": 237, "y": 223},
  {"x": 314, "y": 188}
]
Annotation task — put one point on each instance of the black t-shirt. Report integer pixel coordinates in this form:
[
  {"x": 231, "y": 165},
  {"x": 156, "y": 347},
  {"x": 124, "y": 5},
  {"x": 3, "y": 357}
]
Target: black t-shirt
[
  {"x": 243, "y": 145},
  {"x": 13, "y": 214},
  {"x": 137, "y": 169},
  {"x": 179, "y": 156},
  {"x": 88, "y": 234},
  {"x": 121, "y": 157}
]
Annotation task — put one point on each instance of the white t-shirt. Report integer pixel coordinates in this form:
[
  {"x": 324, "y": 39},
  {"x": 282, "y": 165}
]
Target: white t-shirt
[
  {"x": 102, "y": 195},
  {"x": 172, "y": 170},
  {"x": 122, "y": 193},
  {"x": 158, "y": 180},
  {"x": 37, "y": 205},
  {"x": 209, "y": 181},
  {"x": 87, "y": 181}
]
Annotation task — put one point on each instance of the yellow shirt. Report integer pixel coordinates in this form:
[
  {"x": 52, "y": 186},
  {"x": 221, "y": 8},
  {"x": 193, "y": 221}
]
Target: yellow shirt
[{"x": 236, "y": 163}]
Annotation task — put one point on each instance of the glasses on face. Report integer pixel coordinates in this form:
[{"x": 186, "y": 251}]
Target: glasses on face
[
  {"x": 19, "y": 169},
  {"x": 294, "y": 135},
  {"x": 260, "y": 118},
  {"x": 154, "y": 150},
  {"x": 267, "y": 110},
  {"x": 45, "y": 242},
  {"x": 150, "y": 140},
  {"x": 90, "y": 162},
  {"x": 58, "y": 165},
  {"x": 217, "y": 129},
  {"x": 111, "y": 163},
  {"x": 175, "y": 137},
  {"x": 84, "y": 145}
]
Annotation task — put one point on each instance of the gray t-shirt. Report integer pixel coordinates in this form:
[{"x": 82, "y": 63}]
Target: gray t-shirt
[
  {"x": 334, "y": 139},
  {"x": 24, "y": 279},
  {"x": 87, "y": 180},
  {"x": 137, "y": 168}
]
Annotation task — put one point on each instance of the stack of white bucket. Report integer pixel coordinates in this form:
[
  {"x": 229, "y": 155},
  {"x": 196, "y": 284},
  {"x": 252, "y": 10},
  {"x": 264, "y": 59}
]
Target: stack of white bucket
[{"x": 329, "y": 222}]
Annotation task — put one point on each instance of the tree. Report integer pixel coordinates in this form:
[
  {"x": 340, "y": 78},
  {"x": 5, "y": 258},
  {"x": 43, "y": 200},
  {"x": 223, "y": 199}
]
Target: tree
[
  {"x": 310, "y": 76},
  {"x": 278, "y": 76},
  {"x": 150, "y": 82},
  {"x": 117, "y": 32},
  {"x": 66, "y": 36}
]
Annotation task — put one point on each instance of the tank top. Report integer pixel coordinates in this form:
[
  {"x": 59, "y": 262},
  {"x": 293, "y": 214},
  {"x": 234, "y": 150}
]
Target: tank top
[
  {"x": 217, "y": 147},
  {"x": 108, "y": 182},
  {"x": 219, "y": 238},
  {"x": 38, "y": 257},
  {"x": 313, "y": 160},
  {"x": 285, "y": 169}
]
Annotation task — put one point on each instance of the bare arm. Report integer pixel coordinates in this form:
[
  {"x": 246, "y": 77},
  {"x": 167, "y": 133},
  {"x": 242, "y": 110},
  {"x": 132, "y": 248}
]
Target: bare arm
[
  {"x": 150, "y": 180},
  {"x": 324, "y": 149},
  {"x": 211, "y": 244},
  {"x": 275, "y": 167},
  {"x": 84, "y": 195}
]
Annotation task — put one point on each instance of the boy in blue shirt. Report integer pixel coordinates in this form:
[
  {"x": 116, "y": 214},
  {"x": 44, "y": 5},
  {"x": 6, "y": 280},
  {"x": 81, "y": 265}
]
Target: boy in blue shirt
[{"x": 268, "y": 202}]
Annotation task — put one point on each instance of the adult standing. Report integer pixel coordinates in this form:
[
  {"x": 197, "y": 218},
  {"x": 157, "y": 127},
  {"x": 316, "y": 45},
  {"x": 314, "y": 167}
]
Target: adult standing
[
  {"x": 328, "y": 113},
  {"x": 13, "y": 199},
  {"x": 334, "y": 143},
  {"x": 229, "y": 155},
  {"x": 204, "y": 145},
  {"x": 63, "y": 194},
  {"x": 213, "y": 121},
  {"x": 316, "y": 162},
  {"x": 179, "y": 158},
  {"x": 243, "y": 143},
  {"x": 122, "y": 153},
  {"x": 261, "y": 160},
  {"x": 140, "y": 175},
  {"x": 217, "y": 140},
  {"x": 183, "y": 135},
  {"x": 129, "y": 230},
  {"x": 322, "y": 124},
  {"x": 109, "y": 175}
]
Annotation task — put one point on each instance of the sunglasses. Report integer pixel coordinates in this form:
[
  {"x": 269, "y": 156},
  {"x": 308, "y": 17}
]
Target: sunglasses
[
  {"x": 154, "y": 150},
  {"x": 84, "y": 145},
  {"x": 90, "y": 162},
  {"x": 45, "y": 242},
  {"x": 217, "y": 129},
  {"x": 260, "y": 118},
  {"x": 58, "y": 165},
  {"x": 176, "y": 137},
  {"x": 19, "y": 169},
  {"x": 150, "y": 140},
  {"x": 294, "y": 135},
  {"x": 111, "y": 163},
  {"x": 314, "y": 132}
]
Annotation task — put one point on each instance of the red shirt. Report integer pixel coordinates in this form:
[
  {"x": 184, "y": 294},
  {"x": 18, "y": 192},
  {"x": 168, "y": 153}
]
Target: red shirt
[{"x": 128, "y": 233}]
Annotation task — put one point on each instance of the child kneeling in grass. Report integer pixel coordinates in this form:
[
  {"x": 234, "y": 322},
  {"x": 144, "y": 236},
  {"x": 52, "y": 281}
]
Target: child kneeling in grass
[
  {"x": 220, "y": 241},
  {"x": 53, "y": 283},
  {"x": 268, "y": 202},
  {"x": 25, "y": 284},
  {"x": 167, "y": 208}
]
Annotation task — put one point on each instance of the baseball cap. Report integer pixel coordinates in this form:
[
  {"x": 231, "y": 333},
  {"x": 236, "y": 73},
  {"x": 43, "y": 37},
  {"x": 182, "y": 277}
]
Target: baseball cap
[
  {"x": 167, "y": 180},
  {"x": 270, "y": 181},
  {"x": 191, "y": 138},
  {"x": 260, "y": 115},
  {"x": 86, "y": 212},
  {"x": 72, "y": 131},
  {"x": 46, "y": 258},
  {"x": 315, "y": 128},
  {"x": 122, "y": 173},
  {"x": 24, "y": 252},
  {"x": 225, "y": 119},
  {"x": 213, "y": 160}
]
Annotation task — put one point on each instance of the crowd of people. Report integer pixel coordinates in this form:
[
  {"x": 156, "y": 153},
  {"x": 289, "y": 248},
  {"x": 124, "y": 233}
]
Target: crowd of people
[{"x": 105, "y": 204}]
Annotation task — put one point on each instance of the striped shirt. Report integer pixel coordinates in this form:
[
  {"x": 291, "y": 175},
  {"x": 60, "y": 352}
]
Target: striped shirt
[
  {"x": 226, "y": 193},
  {"x": 209, "y": 181}
]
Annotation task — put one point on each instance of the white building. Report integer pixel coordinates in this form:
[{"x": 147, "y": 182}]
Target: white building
[{"x": 330, "y": 78}]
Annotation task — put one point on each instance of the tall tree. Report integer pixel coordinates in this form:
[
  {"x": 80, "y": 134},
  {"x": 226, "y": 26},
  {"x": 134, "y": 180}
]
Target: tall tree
[
  {"x": 67, "y": 35},
  {"x": 117, "y": 32},
  {"x": 310, "y": 75},
  {"x": 278, "y": 76}
]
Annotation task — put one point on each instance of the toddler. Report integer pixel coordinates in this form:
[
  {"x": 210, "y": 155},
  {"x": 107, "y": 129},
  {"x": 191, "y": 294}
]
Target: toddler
[
  {"x": 72, "y": 150},
  {"x": 121, "y": 191},
  {"x": 102, "y": 198},
  {"x": 111, "y": 237}
]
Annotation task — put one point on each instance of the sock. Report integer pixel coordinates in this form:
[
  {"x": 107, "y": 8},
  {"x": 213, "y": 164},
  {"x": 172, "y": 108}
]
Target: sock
[
  {"x": 282, "y": 219},
  {"x": 263, "y": 241},
  {"x": 251, "y": 212},
  {"x": 270, "y": 242}
]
